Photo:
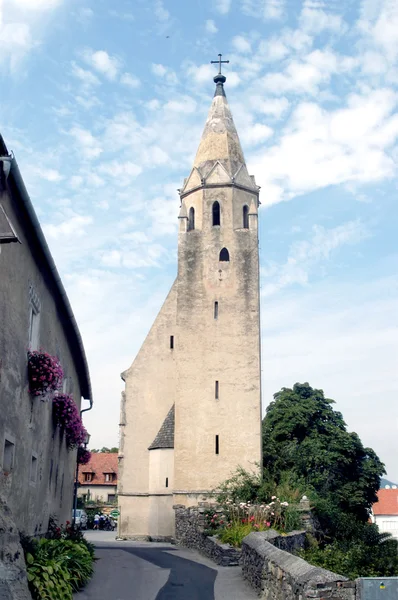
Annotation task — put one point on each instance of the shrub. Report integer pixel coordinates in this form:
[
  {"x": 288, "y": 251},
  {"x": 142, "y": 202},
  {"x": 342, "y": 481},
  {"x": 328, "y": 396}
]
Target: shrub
[
  {"x": 57, "y": 568},
  {"x": 45, "y": 373},
  {"x": 369, "y": 554},
  {"x": 67, "y": 416},
  {"x": 68, "y": 533}
]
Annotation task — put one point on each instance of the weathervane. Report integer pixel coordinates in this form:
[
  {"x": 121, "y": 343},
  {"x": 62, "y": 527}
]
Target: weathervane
[{"x": 219, "y": 62}]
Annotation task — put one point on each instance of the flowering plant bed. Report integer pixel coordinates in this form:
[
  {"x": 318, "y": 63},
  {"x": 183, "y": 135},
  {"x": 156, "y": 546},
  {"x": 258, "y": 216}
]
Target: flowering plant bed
[
  {"x": 45, "y": 373},
  {"x": 67, "y": 417},
  {"x": 236, "y": 520}
]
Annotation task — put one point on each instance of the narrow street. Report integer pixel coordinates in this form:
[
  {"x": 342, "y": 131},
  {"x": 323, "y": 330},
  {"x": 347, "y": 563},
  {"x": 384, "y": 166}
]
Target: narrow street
[{"x": 149, "y": 571}]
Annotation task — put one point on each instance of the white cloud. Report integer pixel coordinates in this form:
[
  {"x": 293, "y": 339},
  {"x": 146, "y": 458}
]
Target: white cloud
[
  {"x": 321, "y": 148},
  {"x": 37, "y": 4},
  {"x": 275, "y": 107},
  {"x": 87, "y": 78},
  {"x": 51, "y": 175},
  {"x": 103, "y": 63},
  {"x": 123, "y": 172},
  {"x": 314, "y": 19},
  {"x": 255, "y": 134},
  {"x": 15, "y": 43},
  {"x": 164, "y": 73},
  {"x": 201, "y": 74},
  {"x": 379, "y": 23},
  {"x": 306, "y": 76},
  {"x": 304, "y": 255},
  {"x": 223, "y": 6},
  {"x": 210, "y": 26},
  {"x": 241, "y": 44},
  {"x": 130, "y": 80},
  {"x": 266, "y": 9},
  {"x": 159, "y": 70},
  {"x": 160, "y": 12},
  {"x": 75, "y": 226},
  {"x": 88, "y": 145},
  {"x": 85, "y": 13}
]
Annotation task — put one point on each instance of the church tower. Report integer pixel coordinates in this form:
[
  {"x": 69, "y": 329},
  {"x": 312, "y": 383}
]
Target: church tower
[{"x": 191, "y": 410}]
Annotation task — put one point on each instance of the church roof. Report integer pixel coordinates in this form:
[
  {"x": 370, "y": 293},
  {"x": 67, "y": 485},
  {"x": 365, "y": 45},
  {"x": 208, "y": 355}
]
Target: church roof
[
  {"x": 220, "y": 140},
  {"x": 165, "y": 435}
]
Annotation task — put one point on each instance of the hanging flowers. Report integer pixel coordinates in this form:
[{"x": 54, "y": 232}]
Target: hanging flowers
[
  {"x": 83, "y": 455},
  {"x": 45, "y": 373},
  {"x": 67, "y": 417}
]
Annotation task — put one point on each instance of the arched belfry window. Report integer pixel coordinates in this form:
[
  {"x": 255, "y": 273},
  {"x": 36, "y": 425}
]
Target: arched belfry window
[
  {"x": 191, "y": 219},
  {"x": 216, "y": 213},
  {"x": 245, "y": 217},
  {"x": 224, "y": 255}
]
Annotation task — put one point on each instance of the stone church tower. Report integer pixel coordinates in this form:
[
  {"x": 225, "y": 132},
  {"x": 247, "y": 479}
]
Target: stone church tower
[{"x": 191, "y": 410}]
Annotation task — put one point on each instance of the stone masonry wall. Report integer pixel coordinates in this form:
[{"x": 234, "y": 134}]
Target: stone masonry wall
[
  {"x": 13, "y": 581},
  {"x": 278, "y": 575},
  {"x": 189, "y": 532}
]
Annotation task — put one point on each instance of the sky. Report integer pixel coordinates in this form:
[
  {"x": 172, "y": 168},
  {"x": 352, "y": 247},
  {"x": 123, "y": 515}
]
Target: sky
[{"x": 103, "y": 103}]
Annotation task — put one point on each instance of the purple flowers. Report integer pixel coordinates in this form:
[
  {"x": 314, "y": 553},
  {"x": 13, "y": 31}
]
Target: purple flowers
[
  {"x": 67, "y": 416},
  {"x": 83, "y": 456},
  {"x": 45, "y": 373}
]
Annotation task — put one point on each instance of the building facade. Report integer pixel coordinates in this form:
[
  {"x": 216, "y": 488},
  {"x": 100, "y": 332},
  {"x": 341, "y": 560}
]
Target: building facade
[
  {"x": 385, "y": 511},
  {"x": 36, "y": 469},
  {"x": 98, "y": 479},
  {"x": 191, "y": 410}
]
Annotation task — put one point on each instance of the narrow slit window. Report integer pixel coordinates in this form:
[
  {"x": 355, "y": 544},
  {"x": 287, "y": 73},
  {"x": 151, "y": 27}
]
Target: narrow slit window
[
  {"x": 167, "y": 482},
  {"x": 191, "y": 219},
  {"x": 217, "y": 445},
  {"x": 216, "y": 310},
  {"x": 33, "y": 469},
  {"x": 172, "y": 342},
  {"x": 245, "y": 217},
  {"x": 8, "y": 456},
  {"x": 216, "y": 213},
  {"x": 224, "y": 255},
  {"x": 217, "y": 390}
]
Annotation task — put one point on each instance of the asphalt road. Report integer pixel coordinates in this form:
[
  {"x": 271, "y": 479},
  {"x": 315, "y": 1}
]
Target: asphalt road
[{"x": 148, "y": 571}]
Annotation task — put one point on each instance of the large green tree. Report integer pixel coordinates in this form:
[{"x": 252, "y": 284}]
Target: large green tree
[{"x": 306, "y": 440}]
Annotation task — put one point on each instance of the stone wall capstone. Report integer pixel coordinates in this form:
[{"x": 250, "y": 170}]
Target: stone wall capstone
[{"x": 277, "y": 575}]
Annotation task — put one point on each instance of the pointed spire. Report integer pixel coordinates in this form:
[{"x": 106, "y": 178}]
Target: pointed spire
[{"x": 220, "y": 140}]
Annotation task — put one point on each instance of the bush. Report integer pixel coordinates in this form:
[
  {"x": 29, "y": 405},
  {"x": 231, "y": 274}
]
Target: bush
[
  {"x": 68, "y": 532},
  {"x": 369, "y": 554},
  {"x": 57, "y": 567},
  {"x": 48, "y": 579}
]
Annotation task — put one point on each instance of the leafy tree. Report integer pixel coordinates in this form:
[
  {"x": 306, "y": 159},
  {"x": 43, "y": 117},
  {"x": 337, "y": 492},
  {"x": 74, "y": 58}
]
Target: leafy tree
[{"x": 306, "y": 439}]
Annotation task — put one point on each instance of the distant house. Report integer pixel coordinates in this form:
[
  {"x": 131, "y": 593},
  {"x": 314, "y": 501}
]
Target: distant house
[
  {"x": 36, "y": 468},
  {"x": 385, "y": 511},
  {"x": 98, "y": 479}
]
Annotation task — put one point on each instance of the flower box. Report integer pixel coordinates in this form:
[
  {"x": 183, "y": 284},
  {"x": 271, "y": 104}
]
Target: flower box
[{"x": 44, "y": 372}]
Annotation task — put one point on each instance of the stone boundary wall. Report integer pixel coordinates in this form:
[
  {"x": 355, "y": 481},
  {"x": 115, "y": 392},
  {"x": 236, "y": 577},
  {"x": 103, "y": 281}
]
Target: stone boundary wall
[
  {"x": 277, "y": 575},
  {"x": 189, "y": 532},
  {"x": 190, "y": 526}
]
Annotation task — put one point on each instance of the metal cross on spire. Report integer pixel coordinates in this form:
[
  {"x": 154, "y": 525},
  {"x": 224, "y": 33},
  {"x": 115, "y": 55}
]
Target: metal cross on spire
[{"x": 219, "y": 62}]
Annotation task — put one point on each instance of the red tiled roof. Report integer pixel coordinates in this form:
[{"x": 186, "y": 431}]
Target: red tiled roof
[
  {"x": 387, "y": 502},
  {"x": 100, "y": 464}
]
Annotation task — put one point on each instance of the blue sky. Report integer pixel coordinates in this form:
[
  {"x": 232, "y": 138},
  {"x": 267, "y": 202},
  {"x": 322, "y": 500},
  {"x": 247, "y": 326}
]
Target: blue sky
[{"x": 103, "y": 104}]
